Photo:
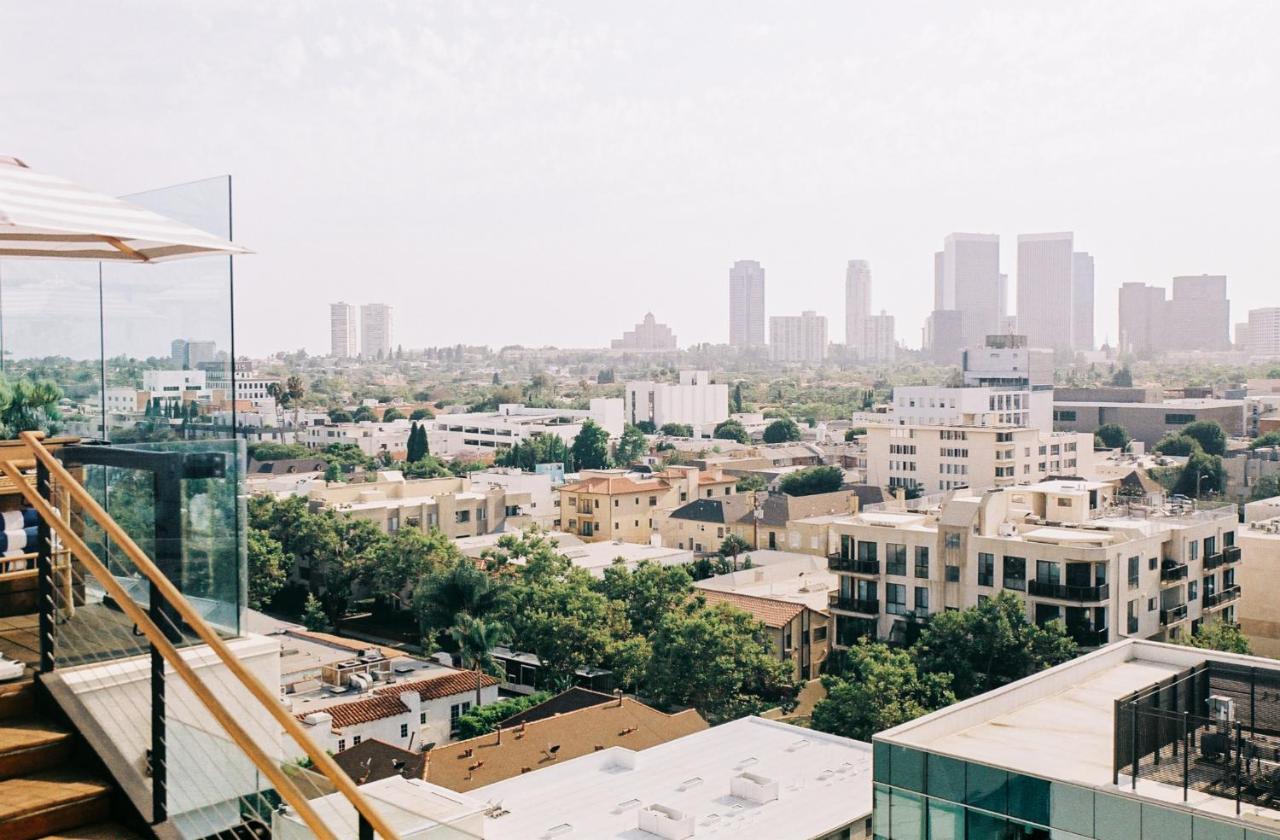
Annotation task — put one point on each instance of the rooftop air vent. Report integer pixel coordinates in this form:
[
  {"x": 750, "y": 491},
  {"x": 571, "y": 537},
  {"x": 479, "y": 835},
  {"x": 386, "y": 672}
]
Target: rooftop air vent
[
  {"x": 753, "y": 788},
  {"x": 666, "y": 822}
]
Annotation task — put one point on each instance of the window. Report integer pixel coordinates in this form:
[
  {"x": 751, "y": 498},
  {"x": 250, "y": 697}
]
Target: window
[
  {"x": 895, "y": 599},
  {"x": 866, "y": 551},
  {"x": 1131, "y": 625},
  {"x": 895, "y": 559},
  {"x": 404, "y": 730},
  {"x": 1193, "y": 589},
  {"x": 355, "y": 742},
  {"x": 1133, "y": 572},
  {"x": 653, "y": 501},
  {"x": 951, "y": 540},
  {"x": 342, "y": 744},
  {"x": 456, "y": 711},
  {"x": 922, "y": 600},
  {"x": 953, "y": 574},
  {"x": 986, "y": 569},
  {"x": 1152, "y": 562},
  {"x": 1015, "y": 573},
  {"x": 820, "y": 633},
  {"x": 422, "y": 718},
  {"x": 1178, "y": 419},
  {"x": 922, "y": 561}
]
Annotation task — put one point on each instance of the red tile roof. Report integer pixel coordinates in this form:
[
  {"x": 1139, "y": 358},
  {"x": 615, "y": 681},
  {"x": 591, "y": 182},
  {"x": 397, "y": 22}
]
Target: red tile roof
[
  {"x": 445, "y": 685},
  {"x": 361, "y": 711},
  {"x": 770, "y": 611},
  {"x": 609, "y": 485}
]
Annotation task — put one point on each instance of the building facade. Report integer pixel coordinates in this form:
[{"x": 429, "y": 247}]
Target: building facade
[
  {"x": 798, "y": 338},
  {"x": 857, "y": 303},
  {"x": 695, "y": 401},
  {"x": 646, "y": 335},
  {"x": 746, "y": 304},
  {"x": 615, "y": 505},
  {"x": 342, "y": 331},
  {"x": 1198, "y": 317},
  {"x": 1148, "y": 421},
  {"x": 1262, "y": 333},
  {"x": 970, "y": 282},
  {"x": 449, "y": 435},
  {"x": 1046, "y": 310},
  {"x": 1082, "y": 297},
  {"x": 879, "y": 343},
  {"x": 375, "y": 331}
]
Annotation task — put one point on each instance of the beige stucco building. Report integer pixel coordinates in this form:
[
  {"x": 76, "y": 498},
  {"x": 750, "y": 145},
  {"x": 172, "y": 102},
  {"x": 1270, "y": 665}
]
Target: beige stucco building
[
  {"x": 618, "y": 505},
  {"x": 457, "y": 507},
  {"x": 1259, "y": 609}
]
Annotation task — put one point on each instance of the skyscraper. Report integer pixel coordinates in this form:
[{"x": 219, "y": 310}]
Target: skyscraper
[
  {"x": 1198, "y": 316},
  {"x": 1261, "y": 335},
  {"x": 375, "y": 330},
  {"x": 746, "y": 304},
  {"x": 857, "y": 304},
  {"x": 342, "y": 330},
  {"x": 798, "y": 338},
  {"x": 879, "y": 344},
  {"x": 967, "y": 281},
  {"x": 1141, "y": 310},
  {"x": 1082, "y": 319},
  {"x": 1045, "y": 300}
]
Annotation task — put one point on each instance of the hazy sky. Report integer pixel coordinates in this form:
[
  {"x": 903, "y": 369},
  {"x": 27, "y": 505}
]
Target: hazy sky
[{"x": 545, "y": 173}]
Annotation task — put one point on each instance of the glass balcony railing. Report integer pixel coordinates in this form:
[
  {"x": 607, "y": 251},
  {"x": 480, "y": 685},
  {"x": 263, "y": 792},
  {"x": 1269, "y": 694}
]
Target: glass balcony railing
[
  {"x": 1221, "y": 597},
  {"x": 1213, "y": 561},
  {"x": 1087, "y": 638},
  {"x": 1065, "y": 592},
  {"x": 1173, "y": 572},
  {"x": 1173, "y": 615},
  {"x": 837, "y": 563},
  {"x": 865, "y": 606}
]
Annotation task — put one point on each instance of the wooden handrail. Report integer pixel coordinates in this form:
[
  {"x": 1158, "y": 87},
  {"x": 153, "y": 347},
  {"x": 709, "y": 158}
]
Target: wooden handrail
[{"x": 321, "y": 760}]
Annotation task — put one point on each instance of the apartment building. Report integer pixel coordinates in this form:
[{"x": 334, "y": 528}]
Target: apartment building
[
  {"x": 342, "y": 330},
  {"x": 798, "y": 338},
  {"x": 449, "y": 435},
  {"x": 746, "y": 304},
  {"x": 1262, "y": 333},
  {"x": 772, "y": 522},
  {"x": 618, "y": 505},
  {"x": 1137, "y": 741},
  {"x": 375, "y": 330},
  {"x": 1259, "y": 608},
  {"x": 457, "y": 507},
  {"x": 1072, "y": 550},
  {"x": 936, "y": 458},
  {"x": 695, "y": 401},
  {"x": 542, "y": 509},
  {"x": 372, "y": 437}
]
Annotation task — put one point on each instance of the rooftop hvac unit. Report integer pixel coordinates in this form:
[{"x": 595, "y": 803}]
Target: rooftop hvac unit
[
  {"x": 1007, "y": 529},
  {"x": 361, "y": 681},
  {"x": 753, "y": 788},
  {"x": 666, "y": 822},
  {"x": 371, "y": 654}
]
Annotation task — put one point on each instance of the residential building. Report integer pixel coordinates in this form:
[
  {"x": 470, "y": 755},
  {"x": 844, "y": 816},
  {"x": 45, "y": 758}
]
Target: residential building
[
  {"x": 1045, "y": 306},
  {"x": 968, "y": 280},
  {"x": 1082, "y": 298},
  {"x": 1070, "y": 549},
  {"x": 695, "y": 401},
  {"x": 790, "y": 598},
  {"x": 1007, "y": 361},
  {"x": 746, "y": 304},
  {"x": 174, "y": 387},
  {"x": 798, "y": 338},
  {"x": 646, "y": 335},
  {"x": 1198, "y": 316},
  {"x": 456, "y": 506},
  {"x": 374, "y": 760},
  {"x": 372, "y": 437},
  {"x": 614, "y": 505},
  {"x": 1137, "y": 740},
  {"x": 1146, "y": 421},
  {"x": 1263, "y": 333},
  {"x": 342, "y": 330},
  {"x": 857, "y": 304},
  {"x": 543, "y": 505},
  {"x": 879, "y": 344},
  {"x": 375, "y": 330},
  {"x": 773, "y": 522},
  {"x": 450, "y": 435},
  {"x": 931, "y": 458},
  {"x": 749, "y": 778},
  {"x": 1259, "y": 610},
  {"x": 595, "y": 557},
  {"x": 537, "y": 745}
]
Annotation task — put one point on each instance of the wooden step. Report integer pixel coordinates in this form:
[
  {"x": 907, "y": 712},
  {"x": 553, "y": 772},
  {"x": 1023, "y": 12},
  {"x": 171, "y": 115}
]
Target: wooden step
[
  {"x": 29, "y": 745},
  {"x": 100, "y": 831},
  {"x": 54, "y": 800},
  {"x": 17, "y": 698}
]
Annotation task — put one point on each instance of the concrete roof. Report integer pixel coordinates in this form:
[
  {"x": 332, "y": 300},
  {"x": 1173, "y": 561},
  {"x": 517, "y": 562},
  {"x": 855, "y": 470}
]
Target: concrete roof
[{"x": 823, "y": 783}]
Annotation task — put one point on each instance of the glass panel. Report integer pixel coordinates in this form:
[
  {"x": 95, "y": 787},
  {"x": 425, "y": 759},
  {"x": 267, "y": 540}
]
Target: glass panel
[
  {"x": 946, "y": 778},
  {"x": 946, "y": 822},
  {"x": 986, "y": 788},
  {"x": 1071, "y": 808},
  {"x": 1213, "y": 830},
  {"x": 881, "y": 753},
  {"x": 906, "y": 817},
  {"x": 1163, "y": 824},
  {"x": 1116, "y": 818},
  {"x": 985, "y": 827},
  {"x": 906, "y": 769},
  {"x": 880, "y": 811},
  {"x": 1029, "y": 799}
]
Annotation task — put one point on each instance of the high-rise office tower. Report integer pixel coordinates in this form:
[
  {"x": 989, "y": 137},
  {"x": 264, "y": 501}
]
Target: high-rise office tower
[
  {"x": 798, "y": 338},
  {"x": 1045, "y": 308},
  {"x": 1260, "y": 336},
  {"x": 879, "y": 344},
  {"x": 967, "y": 281},
  {"x": 1141, "y": 310},
  {"x": 375, "y": 330},
  {"x": 1082, "y": 318},
  {"x": 857, "y": 304},
  {"x": 1198, "y": 316},
  {"x": 342, "y": 330},
  {"x": 746, "y": 304}
]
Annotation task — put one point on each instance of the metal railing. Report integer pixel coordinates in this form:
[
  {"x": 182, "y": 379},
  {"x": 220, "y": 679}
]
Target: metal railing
[
  {"x": 1173, "y": 615},
  {"x": 1222, "y": 596},
  {"x": 837, "y": 563},
  {"x": 111, "y": 611},
  {"x": 1173, "y": 572},
  {"x": 865, "y": 606},
  {"x": 1065, "y": 592}
]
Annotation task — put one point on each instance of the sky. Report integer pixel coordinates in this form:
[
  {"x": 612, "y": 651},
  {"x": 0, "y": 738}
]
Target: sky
[{"x": 546, "y": 173}]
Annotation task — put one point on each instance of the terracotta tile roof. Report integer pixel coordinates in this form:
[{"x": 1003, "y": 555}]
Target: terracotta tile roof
[
  {"x": 611, "y": 485},
  {"x": 361, "y": 711},
  {"x": 445, "y": 685},
  {"x": 770, "y": 611},
  {"x": 510, "y": 752}
]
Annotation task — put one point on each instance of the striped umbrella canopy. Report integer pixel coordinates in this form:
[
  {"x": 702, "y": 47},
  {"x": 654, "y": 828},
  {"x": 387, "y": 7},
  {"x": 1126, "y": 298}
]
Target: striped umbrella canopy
[{"x": 46, "y": 217}]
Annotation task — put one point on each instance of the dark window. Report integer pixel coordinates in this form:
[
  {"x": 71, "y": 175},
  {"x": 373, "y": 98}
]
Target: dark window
[
  {"x": 866, "y": 550},
  {"x": 1015, "y": 573},
  {"x": 1065, "y": 416},
  {"x": 895, "y": 595},
  {"x": 922, "y": 600},
  {"x": 1133, "y": 571},
  {"x": 986, "y": 569},
  {"x": 953, "y": 574},
  {"x": 922, "y": 561},
  {"x": 1179, "y": 419},
  {"x": 895, "y": 559}
]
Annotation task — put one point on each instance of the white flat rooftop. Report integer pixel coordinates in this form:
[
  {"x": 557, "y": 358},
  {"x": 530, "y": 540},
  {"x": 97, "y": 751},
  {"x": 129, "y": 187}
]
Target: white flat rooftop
[
  {"x": 804, "y": 579},
  {"x": 823, "y": 784}
]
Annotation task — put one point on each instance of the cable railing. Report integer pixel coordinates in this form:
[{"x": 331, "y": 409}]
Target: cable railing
[{"x": 182, "y": 721}]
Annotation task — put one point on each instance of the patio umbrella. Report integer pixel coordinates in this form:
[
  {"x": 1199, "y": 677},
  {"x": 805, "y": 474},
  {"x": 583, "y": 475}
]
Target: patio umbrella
[{"x": 47, "y": 217}]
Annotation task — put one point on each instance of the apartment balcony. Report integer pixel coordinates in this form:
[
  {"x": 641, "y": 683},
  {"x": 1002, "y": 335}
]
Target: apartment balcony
[
  {"x": 862, "y": 606},
  {"x": 1064, "y": 592},
  {"x": 837, "y": 563},
  {"x": 1087, "y": 638},
  {"x": 1213, "y": 561},
  {"x": 1231, "y": 554},
  {"x": 1173, "y": 572},
  {"x": 1217, "y": 599},
  {"x": 1173, "y": 615}
]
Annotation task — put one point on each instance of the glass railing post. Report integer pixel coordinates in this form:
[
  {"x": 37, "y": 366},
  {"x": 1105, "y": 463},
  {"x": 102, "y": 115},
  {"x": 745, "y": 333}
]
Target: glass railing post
[{"x": 44, "y": 575}]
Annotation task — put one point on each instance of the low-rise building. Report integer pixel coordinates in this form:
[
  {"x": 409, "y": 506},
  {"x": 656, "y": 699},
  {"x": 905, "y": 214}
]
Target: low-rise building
[
  {"x": 1072, "y": 550},
  {"x": 1148, "y": 421},
  {"x": 695, "y": 401},
  {"x": 614, "y": 505},
  {"x": 412, "y": 807},
  {"x": 543, "y": 506},
  {"x": 1259, "y": 609},
  {"x": 773, "y": 521},
  {"x": 749, "y": 778},
  {"x": 374, "y": 439},
  {"x": 451, "y": 435}
]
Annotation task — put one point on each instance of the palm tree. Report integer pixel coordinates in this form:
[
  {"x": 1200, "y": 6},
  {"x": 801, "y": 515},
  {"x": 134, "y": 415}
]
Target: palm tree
[
  {"x": 476, "y": 638},
  {"x": 27, "y": 406}
]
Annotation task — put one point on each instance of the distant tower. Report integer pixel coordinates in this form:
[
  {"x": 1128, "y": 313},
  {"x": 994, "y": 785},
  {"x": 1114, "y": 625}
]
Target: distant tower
[
  {"x": 375, "y": 331},
  {"x": 1045, "y": 307},
  {"x": 969, "y": 294},
  {"x": 342, "y": 330},
  {"x": 746, "y": 304},
  {"x": 1082, "y": 301},
  {"x": 857, "y": 304}
]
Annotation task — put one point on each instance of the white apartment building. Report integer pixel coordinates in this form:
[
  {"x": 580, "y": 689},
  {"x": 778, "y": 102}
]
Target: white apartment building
[
  {"x": 249, "y": 387},
  {"x": 375, "y": 330},
  {"x": 695, "y": 401},
  {"x": 1072, "y": 550},
  {"x": 932, "y": 458},
  {"x": 512, "y": 423},
  {"x": 342, "y": 330},
  {"x": 798, "y": 338},
  {"x": 542, "y": 507},
  {"x": 373, "y": 438},
  {"x": 746, "y": 304},
  {"x": 174, "y": 386}
]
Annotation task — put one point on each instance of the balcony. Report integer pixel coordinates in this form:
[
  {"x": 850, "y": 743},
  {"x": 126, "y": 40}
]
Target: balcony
[
  {"x": 1087, "y": 638},
  {"x": 863, "y": 606},
  {"x": 1213, "y": 561},
  {"x": 1231, "y": 554},
  {"x": 1217, "y": 599},
  {"x": 1173, "y": 572},
  {"x": 1063, "y": 592},
  {"x": 1173, "y": 615},
  {"x": 837, "y": 563}
]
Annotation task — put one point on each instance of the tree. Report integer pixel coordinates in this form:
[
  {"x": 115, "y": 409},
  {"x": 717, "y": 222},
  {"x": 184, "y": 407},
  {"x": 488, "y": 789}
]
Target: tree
[
  {"x": 392, "y": 413},
  {"x": 1123, "y": 378},
  {"x": 812, "y": 480},
  {"x": 418, "y": 447},
  {"x": 539, "y": 448},
  {"x": 590, "y": 448},
  {"x": 404, "y": 559},
  {"x": 267, "y": 568},
  {"x": 476, "y": 638},
  {"x": 737, "y": 398},
  {"x": 339, "y": 415},
  {"x": 294, "y": 390},
  {"x": 1111, "y": 436},
  {"x": 879, "y": 688},
  {"x": 363, "y": 414},
  {"x": 647, "y": 593},
  {"x": 782, "y": 431},
  {"x": 1210, "y": 436},
  {"x": 1203, "y": 473},
  {"x": 267, "y": 451},
  {"x": 676, "y": 430},
  {"x": 1266, "y": 487},
  {"x": 449, "y": 589},
  {"x": 751, "y": 483},
  {"x": 313, "y": 615},
  {"x": 732, "y": 546},
  {"x": 731, "y": 430},
  {"x": 1266, "y": 441},
  {"x": 1215, "y": 634},
  {"x": 421, "y": 414},
  {"x": 717, "y": 659},
  {"x": 990, "y": 645},
  {"x": 1177, "y": 445},
  {"x": 851, "y": 435},
  {"x": 605, "y": 376},
  {"x": 647, "y": 427},
  {"x": 632, "y": 445},
  {"x": 485, "y": 719}
]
